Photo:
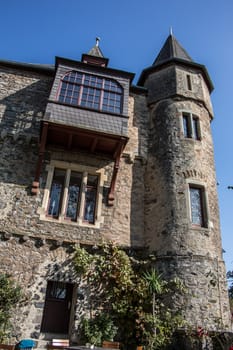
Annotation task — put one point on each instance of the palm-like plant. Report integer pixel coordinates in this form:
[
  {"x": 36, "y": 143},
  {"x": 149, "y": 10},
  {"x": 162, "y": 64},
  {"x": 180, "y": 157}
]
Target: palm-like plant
[{"x": 155, "y": 284}]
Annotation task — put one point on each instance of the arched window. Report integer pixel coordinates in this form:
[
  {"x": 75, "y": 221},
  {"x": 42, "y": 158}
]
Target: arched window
[{"x": 91, "y": 91}]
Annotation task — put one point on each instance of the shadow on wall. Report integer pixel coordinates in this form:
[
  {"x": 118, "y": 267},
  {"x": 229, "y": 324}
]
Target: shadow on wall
[
  {"x": 24, "y": 108},
  {"x": 20, "y": 119},
  {"x": 137, "y": 205}
]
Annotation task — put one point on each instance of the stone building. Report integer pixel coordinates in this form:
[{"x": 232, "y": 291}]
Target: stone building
[{"x": 86, "y": 156}]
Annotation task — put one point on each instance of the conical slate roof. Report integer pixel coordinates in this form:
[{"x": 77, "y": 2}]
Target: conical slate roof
[
  {"x": 173, "y": 53},
  {"x": 171, "y": 50}
]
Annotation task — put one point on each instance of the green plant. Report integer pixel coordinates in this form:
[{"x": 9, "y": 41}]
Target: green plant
[
  {"x": 9, "y": 296},
  {"x": 97, "y": 329},
  {"x": 82, "y": 260},
  {"x": 130, "y": 291}
]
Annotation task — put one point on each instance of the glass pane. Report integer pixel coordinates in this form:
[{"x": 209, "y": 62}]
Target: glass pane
[
  {"x": 92, "y": 180},
  {"x": 196, "y": 206},
  {"x": 67, "y": 100},
  {"x": 186, "y": 126},
  {"x": 61, "y": 98},
  {"x": 89, "y": 209},
  {"x": 58, "y": 290},
  {"x": 73, "y": 195},
  {"x": 195, "y": 129},
  {"x": 90, "y": 199},
  {"x": 56, "y": 192}
]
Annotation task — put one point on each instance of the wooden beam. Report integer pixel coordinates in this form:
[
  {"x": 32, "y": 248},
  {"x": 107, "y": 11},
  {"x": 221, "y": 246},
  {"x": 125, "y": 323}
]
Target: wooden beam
[
  {"x": 94, "y": 143},
  {"x": 117, "y": 156},
  {"x": 70, "y": 139}
]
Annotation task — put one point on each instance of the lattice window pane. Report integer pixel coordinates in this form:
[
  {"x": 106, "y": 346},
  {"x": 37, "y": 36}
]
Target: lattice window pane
[
  {"x": 94, "y": 89},
  {"x": 56, "y": 192},
  {"x": 74, "y": 190},
  {"x": 196, "y": 201},
  {"x": 90, "y": 199}
]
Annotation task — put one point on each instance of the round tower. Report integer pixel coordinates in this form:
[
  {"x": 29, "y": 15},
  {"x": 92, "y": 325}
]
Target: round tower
[{"x": 181, "y": 204}]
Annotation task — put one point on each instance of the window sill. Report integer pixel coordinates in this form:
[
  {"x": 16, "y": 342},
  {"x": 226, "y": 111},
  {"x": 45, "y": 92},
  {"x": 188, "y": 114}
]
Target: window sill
[
  {"x": 204, "y": 230},
  {"x": 190, "y": 139},
  {"x": 63, "y": 221}
]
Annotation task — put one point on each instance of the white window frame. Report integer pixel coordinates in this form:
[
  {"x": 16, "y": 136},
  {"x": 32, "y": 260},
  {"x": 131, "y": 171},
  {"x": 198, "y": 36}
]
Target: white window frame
[{"x": 79, "y": 168}]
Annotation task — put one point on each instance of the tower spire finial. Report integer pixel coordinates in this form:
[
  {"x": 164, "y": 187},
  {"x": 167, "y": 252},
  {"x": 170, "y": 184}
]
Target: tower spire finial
[
  {"x": 171, "y": 33},
  {"x": 97, "y": 41}
]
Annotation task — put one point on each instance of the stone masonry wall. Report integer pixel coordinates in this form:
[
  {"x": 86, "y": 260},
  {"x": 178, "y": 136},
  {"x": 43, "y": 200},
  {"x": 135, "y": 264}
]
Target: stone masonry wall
[
  {"x": 33, "y": 262},
  {"x": 33, "y": 250},
  {"x": 19, "y": 150},
  {"x": 23, "y": 97},
  {"x": 191, "y": 253}
]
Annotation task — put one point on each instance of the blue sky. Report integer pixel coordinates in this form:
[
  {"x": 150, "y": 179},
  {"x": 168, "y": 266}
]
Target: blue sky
[{"x": 132, "y": 33}]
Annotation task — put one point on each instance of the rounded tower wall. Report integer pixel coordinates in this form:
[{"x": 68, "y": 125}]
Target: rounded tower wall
[
  {"x": 180, "y": 80},
  {"x": 181, "y": 203},
  {"x": 175, "y": 163},
  {"x": 204, "y": 301}
]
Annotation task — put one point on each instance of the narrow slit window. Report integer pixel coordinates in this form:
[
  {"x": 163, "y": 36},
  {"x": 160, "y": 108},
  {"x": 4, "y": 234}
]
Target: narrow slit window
[{"x": 189, "y": 83}]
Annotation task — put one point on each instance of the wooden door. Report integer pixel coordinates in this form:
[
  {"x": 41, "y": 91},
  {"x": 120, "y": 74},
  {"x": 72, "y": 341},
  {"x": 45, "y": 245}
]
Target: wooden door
[{"x": 56, "y": 316}]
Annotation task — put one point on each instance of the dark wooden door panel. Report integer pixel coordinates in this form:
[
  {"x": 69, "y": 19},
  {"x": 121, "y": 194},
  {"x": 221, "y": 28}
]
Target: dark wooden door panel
[{"x": 57, "y": 307}]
